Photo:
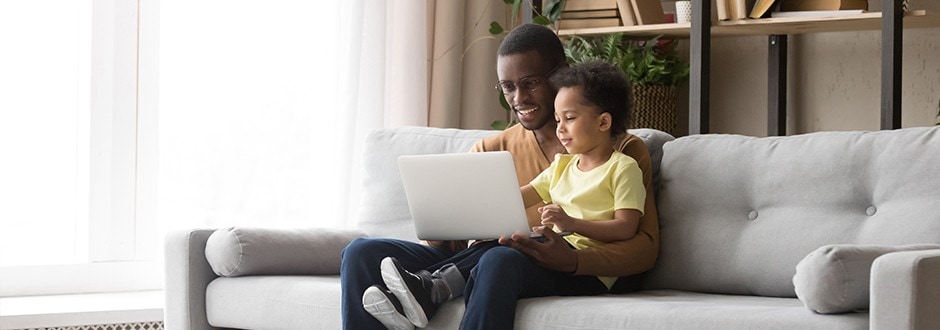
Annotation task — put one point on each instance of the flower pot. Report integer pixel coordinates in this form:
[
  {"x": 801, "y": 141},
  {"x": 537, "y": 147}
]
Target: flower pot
[{"x": 655, "y": 106}]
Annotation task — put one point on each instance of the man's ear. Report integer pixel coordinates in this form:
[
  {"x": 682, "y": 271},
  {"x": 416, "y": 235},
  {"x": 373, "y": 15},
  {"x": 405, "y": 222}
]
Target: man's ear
[{"x": 606, "y": 121}]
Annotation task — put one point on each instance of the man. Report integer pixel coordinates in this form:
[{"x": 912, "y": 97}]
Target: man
[{"x": 492, "y": 275}]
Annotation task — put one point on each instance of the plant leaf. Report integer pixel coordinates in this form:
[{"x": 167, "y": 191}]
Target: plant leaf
[
  {"x": 499, "y": 124},
  {"x": 552, "y": 9},
  {"x": 502, "y": 101},
  {"x": 541, "y": 20},
  {"x": 650, "y": 62},
  {"x": 495, "y": 28}
]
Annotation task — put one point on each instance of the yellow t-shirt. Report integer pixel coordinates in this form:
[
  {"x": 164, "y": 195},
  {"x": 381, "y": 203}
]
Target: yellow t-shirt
[
  {"x": 620, "y": 258},
  {"x": 592, "y": 195}
]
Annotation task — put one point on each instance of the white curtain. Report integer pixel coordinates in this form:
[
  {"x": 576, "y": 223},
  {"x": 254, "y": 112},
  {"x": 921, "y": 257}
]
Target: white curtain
[{"x": 264, "y": 105}]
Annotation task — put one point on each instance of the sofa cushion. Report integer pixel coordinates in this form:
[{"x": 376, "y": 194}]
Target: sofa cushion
[
  {"x": 654, "y": 140},
  {"x": 386, "y": 213},
  {"x": 313, "y": 302},
  {"x": 738, "y": 213},
  {"x": 835, "y": 278},
  {"x": 274, "y": 302},
  {"x": 239, "y": 251}
]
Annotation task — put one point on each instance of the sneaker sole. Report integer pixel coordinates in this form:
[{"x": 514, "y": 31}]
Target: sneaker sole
[
  {"x": 393, "y": 280},
  {"x": 377, "y": 304}
]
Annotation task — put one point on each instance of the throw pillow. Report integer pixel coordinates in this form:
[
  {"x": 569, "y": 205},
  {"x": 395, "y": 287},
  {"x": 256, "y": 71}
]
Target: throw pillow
[
  {"x": 835, "y": 278},
  {"x": 266, "y": 251}
]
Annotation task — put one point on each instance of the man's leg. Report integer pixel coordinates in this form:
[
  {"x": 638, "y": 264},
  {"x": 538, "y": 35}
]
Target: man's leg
[
  {"x": 503, "y": 276},
  {"x": 360, "y": 269},
  {"x": 421, "y": 292}
]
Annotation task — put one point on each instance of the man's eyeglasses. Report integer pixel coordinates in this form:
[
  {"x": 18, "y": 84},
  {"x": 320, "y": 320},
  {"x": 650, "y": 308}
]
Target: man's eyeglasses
[{"x": 529, "y": 83}]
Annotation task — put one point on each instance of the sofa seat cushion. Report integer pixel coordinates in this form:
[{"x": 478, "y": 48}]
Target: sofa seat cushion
[
  {"x": 274, "y": 302},
  {"x": 312, "y": 302}
]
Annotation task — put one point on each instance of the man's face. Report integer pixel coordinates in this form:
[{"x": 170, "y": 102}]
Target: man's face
[{"x": 524, "y": 79}]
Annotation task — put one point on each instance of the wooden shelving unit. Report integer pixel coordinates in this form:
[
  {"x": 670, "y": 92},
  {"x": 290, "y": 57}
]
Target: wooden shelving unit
[
  {"x": 768, "y": 26},
  {"x": 892, "y": 20}
]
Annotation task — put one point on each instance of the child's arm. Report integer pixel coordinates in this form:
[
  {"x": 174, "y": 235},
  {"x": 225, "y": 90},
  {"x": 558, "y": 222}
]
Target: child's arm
[
  {"x": 530, "y": 196},
  {"x": 622, "y": 227}
]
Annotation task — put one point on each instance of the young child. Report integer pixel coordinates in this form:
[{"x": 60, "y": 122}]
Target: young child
[{"x": 594, "y": 192}]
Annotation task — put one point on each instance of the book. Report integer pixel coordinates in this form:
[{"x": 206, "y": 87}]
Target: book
[
  {"x": 816, "y": 13},
  {"x": 737, "y": 9},
  {"x": 721, "y": 6},
  {"x": 648, "y": 12},
  {"x": 626, "y": 12},
  {"x": 808, "y": 5},
  {"x": 579, "y": 5},
  {"x": 609, "y": 13},
  {"x": 586, "y": 14},
  {"x": 587, "y": 23},
  {"x": 761, "y": 8}
]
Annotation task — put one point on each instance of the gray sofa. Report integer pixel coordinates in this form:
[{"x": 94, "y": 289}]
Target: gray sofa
[{"x": 755, "y": 233}]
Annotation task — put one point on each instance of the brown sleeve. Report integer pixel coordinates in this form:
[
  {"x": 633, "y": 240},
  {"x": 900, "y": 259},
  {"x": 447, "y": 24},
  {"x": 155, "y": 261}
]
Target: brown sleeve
[{"x": 639, "y": 253}]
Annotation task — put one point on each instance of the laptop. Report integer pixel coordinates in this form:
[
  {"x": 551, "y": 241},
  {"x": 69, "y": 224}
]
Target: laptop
[{"x": 463, "y": 196}]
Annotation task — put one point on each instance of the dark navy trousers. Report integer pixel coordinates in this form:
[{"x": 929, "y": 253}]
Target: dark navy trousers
[{"x": 497, "y": 277}]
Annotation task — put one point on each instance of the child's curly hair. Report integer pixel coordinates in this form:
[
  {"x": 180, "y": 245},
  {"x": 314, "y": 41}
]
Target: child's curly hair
[{"x": 604, "y": 86}]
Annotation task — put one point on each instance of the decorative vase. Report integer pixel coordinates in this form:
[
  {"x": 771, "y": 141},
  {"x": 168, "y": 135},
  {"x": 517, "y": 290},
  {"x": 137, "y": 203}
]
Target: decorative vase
[
  {"x": 655, "y": 106},
  {"x": 683, "y": 11}
]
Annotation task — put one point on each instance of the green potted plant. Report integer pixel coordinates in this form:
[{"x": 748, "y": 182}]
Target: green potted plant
[{"x": 654, "y": 68}]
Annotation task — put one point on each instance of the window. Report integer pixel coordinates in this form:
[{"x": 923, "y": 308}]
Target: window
[
  {"x": 44, "y": 131},
  {"x": 120, "y": 120}
]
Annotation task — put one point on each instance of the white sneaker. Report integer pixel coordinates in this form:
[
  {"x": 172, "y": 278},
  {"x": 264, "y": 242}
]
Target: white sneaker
[{"x": 384, "y": 307}]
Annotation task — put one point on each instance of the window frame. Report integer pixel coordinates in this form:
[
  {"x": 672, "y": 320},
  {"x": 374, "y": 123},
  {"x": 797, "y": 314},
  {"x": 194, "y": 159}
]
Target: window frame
[{"x": 121, "y": 247}]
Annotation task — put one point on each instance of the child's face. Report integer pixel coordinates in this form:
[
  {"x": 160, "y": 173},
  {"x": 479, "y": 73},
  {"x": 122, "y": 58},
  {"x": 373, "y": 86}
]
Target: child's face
[{"x": 582, "y": 127}]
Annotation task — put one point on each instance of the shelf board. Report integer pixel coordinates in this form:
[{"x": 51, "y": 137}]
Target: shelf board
[{"x": 769, "y": 26}]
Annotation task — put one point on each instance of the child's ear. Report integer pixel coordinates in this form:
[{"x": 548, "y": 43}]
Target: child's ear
[{"x": 606, "y": 121}]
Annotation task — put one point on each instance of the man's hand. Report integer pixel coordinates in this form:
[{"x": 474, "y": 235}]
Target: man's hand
[{"x": 553, "y": 252}]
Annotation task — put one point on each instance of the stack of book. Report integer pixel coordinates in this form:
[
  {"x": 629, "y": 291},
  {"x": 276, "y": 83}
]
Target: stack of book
[
  {"x": 803, "y": 8},
  {"x": 762, "y": 8},
  {"x": 734, "y": 9},
  {"x": 584, "y": 14},
  {"x": 742, "y": 9}
]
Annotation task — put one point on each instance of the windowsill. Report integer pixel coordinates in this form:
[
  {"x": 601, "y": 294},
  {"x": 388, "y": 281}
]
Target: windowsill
[{"x": 80, "y": 309}]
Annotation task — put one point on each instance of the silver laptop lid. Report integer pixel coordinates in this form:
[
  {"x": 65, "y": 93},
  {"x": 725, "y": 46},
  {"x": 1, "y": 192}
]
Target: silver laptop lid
[{"x": 463, "y": 196}]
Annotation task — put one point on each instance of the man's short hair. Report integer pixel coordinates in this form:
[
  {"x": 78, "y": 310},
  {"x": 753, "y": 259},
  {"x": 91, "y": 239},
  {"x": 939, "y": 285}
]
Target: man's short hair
[
  {"x": 603, "y": 85},
  {"x": 529, "y": 36}
]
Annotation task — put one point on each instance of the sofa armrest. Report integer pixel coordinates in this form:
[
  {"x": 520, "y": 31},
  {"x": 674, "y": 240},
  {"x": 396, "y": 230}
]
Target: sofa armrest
[
  {"x": 242, "y": 251},
  {"x": 905, "y": 290},
  {"x": 187, "y": 276}
]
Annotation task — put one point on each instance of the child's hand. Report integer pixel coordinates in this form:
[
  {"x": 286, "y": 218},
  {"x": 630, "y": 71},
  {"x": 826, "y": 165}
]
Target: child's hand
[{"x": 555, "y": 216}]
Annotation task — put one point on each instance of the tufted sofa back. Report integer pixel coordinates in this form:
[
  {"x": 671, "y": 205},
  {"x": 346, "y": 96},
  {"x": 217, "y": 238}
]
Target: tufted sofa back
[{"x": 738, "y": 213}]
